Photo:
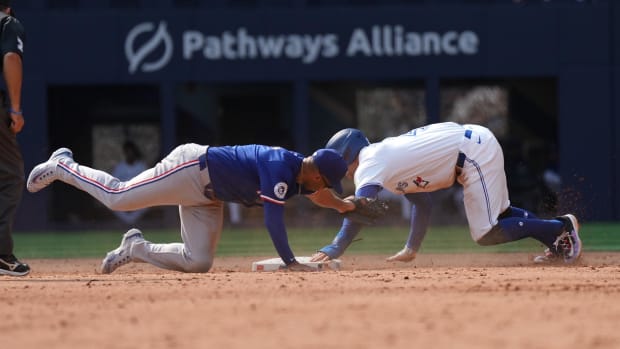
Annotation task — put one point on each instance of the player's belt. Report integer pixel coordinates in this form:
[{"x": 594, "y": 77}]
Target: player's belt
[
  {"x": 460, "y": 161},
  {"x": 202, "y": 160}
]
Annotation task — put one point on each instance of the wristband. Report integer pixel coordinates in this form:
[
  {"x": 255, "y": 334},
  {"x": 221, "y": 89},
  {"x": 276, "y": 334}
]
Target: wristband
[{"x": 14, "y": 111}]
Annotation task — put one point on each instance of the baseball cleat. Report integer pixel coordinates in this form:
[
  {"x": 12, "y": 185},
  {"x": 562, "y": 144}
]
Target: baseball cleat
[
  {"x": 45, "y": 173},
  {"x": 9, "y": 265},
  {"x": 404, "y": 255},
  {"x": 569, "y": 243},
  {"x": 121, "y": 255}
]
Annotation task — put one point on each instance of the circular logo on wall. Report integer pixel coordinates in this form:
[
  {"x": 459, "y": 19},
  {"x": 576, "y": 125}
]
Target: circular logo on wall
[
  {"x": 280, "y": 190},
  {"x": 140, "y": 57}
]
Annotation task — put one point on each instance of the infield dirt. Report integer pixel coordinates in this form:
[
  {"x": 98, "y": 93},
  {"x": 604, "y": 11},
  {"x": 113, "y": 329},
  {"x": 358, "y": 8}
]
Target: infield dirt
[{"x": 438, "y": 301}]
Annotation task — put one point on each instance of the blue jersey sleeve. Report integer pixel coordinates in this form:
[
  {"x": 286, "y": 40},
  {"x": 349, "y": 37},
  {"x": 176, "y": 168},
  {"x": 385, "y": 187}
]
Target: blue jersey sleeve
[
  {"x": 343, "y": 239},
  {"x": 274, "y": 221},
  {"x": 349, "y": 229},
  {"x": 420, "y": 218}
]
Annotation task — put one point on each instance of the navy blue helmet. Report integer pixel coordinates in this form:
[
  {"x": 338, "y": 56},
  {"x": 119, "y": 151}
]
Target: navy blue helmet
[{"x": 348, "y": 142}]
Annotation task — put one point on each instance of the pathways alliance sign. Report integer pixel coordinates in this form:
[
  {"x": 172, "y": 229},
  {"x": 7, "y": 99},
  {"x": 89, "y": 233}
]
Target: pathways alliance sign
[{"x": 149, "y": 46}]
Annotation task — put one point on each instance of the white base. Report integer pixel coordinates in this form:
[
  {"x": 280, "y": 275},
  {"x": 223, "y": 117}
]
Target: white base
[{"x": 273, "y": 264}]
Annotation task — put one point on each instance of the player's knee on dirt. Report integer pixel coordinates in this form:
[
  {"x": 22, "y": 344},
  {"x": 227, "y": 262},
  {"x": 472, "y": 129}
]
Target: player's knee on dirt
[{"x": 199, "y": 264}]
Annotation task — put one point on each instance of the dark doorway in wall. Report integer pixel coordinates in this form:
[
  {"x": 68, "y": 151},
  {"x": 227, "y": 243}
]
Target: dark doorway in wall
[
  {"x": 99, "y": 120},
  {"x": 252, "y": 119},
  {"x": 258, "y": 113},
  {"x": 230, "y": 114}
]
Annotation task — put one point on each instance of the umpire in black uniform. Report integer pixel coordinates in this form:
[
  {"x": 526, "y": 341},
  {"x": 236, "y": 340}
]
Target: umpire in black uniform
[{"x": 12, "y": 121}]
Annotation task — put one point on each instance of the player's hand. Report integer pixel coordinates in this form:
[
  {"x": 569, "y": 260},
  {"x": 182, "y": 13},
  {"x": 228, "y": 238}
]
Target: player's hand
[
  {"x": 320, "y": 257},
  {"x": 404, "y": 255},
  {"x": 348, "y": 204},
  {"x": 17, "y": 123},
  {"x": 296, "y": 266}
]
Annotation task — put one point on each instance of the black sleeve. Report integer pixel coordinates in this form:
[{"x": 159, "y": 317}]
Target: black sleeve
[{"x": 13, "y": 37}]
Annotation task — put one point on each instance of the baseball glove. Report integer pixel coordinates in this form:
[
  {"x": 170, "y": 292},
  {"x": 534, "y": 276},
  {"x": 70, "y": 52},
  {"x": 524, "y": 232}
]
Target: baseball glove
[{"x": 367, "y": 211}]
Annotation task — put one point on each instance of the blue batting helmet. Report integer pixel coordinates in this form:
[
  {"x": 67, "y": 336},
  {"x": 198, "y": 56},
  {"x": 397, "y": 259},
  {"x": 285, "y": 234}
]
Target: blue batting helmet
[{"x": 348, "y": 143}]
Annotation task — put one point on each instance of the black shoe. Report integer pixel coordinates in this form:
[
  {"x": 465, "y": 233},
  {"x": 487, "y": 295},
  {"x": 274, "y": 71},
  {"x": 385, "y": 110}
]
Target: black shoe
[{"x": 9, "y": 265}]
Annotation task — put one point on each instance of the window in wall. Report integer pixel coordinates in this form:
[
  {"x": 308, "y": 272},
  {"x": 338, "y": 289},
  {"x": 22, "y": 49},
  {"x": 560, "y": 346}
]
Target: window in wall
[
  {"x": 524, "y": 117},
  {"x": 390, "y": 111},
  {"x": 485, "y": 105},
  {"x": 379, "y": 109}
]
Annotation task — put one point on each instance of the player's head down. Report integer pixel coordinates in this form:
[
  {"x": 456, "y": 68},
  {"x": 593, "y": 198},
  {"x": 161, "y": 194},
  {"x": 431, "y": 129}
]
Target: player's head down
[
  {"x": 331, "y": 166},
  {"x": 348, "y": 142}
]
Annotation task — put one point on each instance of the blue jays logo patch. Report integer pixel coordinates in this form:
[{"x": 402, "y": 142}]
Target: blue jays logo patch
[{"x": 420, "y": 182}]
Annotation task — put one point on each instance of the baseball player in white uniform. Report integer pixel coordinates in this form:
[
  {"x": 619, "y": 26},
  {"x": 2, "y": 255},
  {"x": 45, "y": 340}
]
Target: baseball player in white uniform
[{"x": 433, "y": 157}]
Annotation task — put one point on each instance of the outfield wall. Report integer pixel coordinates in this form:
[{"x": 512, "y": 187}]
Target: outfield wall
[{"x": 159, "y": 45}]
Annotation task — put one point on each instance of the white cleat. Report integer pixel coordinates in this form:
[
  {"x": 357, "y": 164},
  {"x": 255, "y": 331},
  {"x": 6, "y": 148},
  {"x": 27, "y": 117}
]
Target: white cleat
[
  {"x": 45, "y": 173},
  {"x": 121, "y": 255},
  {"x": 404, "y": 255}
]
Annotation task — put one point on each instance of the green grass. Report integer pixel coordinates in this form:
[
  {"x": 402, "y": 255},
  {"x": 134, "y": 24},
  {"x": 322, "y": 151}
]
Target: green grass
[{"x": 247, "y": 242}]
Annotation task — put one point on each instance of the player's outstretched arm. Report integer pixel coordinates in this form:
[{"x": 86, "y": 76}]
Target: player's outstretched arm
[
  {"x": 348, "y": 231},
  {"x": 328, "y": 199},
  {"x": 320, "y": 257},
  {"x": 420, "y": 219},
  {"x": 343, "y": 239},
  {"x": 274, "y": 221},
  {"x": 422, "y": 206}
]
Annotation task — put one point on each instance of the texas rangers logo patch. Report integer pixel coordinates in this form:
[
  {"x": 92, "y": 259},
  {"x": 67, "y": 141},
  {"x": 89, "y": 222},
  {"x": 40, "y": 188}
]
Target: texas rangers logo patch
[{"x": 280, "y": 190}]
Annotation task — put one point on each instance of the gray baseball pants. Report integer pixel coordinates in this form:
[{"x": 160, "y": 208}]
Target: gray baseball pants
[{"x": 178, "y": 179}]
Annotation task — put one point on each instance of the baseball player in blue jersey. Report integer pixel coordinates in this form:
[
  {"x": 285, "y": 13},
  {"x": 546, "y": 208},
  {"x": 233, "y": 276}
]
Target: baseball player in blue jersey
[
  {"x": 433, "y": 157},
  {"x": 199, "y": 179}
]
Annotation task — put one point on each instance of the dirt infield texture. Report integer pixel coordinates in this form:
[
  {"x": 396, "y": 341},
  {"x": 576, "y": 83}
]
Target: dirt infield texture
[{"x": 438, "y": 301}]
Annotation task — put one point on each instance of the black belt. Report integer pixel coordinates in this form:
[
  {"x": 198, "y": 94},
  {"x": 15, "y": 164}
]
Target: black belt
[
  {"x": 460, "y": 161},
  {"x": 202, "y": 160}
]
